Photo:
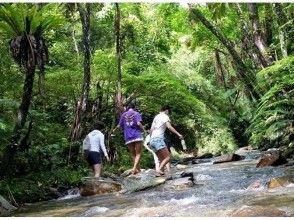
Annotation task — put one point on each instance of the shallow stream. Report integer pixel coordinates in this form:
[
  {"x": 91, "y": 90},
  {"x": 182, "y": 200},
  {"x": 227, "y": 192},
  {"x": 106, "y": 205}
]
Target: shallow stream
[{"x": 219, "y": 189}]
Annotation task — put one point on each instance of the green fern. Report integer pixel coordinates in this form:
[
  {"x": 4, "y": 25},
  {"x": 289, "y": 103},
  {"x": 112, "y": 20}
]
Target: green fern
[{"x": 273, "y": 122}]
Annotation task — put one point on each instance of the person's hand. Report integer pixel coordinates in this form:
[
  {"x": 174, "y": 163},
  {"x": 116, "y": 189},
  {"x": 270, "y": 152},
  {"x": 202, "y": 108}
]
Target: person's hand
[
  {"x": 107, "y": 158},
  {"x": 180, "y": 136}
]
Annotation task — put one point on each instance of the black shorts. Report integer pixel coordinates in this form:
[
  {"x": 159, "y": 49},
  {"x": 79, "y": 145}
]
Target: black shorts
[{"x": 94, "y": 158}]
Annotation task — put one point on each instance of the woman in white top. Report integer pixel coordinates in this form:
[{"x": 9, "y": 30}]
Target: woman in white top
[
  {"x": 93, "y": 144},
  {"x": 159, "y": 125}
]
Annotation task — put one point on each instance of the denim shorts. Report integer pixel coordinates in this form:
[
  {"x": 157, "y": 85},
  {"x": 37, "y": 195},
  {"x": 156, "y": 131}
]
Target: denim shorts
[{"x": 157, "y": 143}]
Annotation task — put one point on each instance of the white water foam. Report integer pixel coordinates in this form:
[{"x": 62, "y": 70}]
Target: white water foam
[
  {"x": 183, "y": 202},
  {"x": 290, "y": 185},
  {"x": 69, "y": 197},
  {"x": 202, "y": 177},
  {"x": 95, "y": 210}
]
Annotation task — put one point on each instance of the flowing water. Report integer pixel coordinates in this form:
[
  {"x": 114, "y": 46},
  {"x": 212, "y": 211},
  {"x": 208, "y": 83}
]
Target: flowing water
[{"x": 219, "y": 189}]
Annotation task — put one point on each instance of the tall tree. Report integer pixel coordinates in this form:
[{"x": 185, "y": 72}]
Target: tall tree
[
  {"x": 25, "y": 27},
  {"x": 248, "y": 48},
  {"x": 281, "y": 19},
  {"x": 268, "y": 24},
  {"x": 259, "y": 36},
  {"x": 243, "y": 71},
  {"x": 118, "y": 98},
  {"x": 85, "y": 14}
]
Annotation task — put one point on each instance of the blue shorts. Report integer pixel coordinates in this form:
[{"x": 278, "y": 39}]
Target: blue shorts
[{"x": 157, "y": 143}]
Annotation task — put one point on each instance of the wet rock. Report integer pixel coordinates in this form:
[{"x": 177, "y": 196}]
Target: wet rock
[
  {"x": 198, "y": 161},
  {"x": 187, "y": 174},
  {"x": 280, "y": 182},
  {"x": 126, "y": 173},
  {"x": 178, "y": 175},
  {"x": 96, "y": 186},
  {"x": 228, "y": 158},
  {"x": 178, "y": 184},
  {"x": 258, "y": 211},
  {"x": 54, "y": 193},
  {"x": 271, "y": 158},
  {"x": 5, "y": 207},
  {"x": 244, "y": 150},
  {"x": 186, "y": 160},
  {"x": 181, "y": 166},
  {"x": 143, "y": 180},
  {"x": 255, "y": 185}
]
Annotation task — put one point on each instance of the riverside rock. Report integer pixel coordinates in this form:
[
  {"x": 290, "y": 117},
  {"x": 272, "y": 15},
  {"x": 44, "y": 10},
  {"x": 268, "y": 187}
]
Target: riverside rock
[
  {"x": 271, "y": 158},
  {"x": 96, "y": 186},
  {"x": 280, "y": 182},
  {"x": 258, "y": 211},
  {"x": 178, "y": 184},
  {"x": 228, "y": 158}
]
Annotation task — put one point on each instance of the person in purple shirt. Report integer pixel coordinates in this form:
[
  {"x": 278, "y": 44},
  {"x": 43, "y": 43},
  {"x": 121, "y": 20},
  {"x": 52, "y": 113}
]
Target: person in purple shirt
[{"x": 131, "y": 123}]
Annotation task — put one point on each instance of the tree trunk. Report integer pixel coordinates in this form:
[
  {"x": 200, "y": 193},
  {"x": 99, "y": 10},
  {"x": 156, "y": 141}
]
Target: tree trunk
[
  {"x": 24, "y": 106},
  {"x": 268, "y": 23},
  {"x": 82, "y": 103},
  {"x": 17, "y": 140},
  {"x": 75, "y": 42},
  {"x": 247, "y": 49},
  {"x": 219, "y": 70},
  {"x": 281, "y": 19},
  {"x": 242, "y": 70},
  {"x": 98, "y": 105},
  {"x": 258, "y": 35},
  {"x": 118, "y": 98}
]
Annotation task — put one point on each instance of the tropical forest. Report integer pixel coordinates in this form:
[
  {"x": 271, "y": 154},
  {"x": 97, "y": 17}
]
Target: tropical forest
[{"x": 224, "y": 72}]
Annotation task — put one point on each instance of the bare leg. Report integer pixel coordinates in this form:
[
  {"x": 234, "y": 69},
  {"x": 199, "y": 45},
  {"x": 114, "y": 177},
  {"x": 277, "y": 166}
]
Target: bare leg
[
  {"x": 97, "y": 170},
  {"x": 131, "y": 147},
  {"x": 138, "y": 150},
  {"x": 167, "y": 167},
  {"x": 164, "y": 158},
  {"x": 156, "y": 161}
]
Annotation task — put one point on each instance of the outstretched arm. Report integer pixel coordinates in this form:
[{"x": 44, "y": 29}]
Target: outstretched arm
[
  {"x": 102, "y": 146},
  {"x": 172, "y": 129},
  {"x": 117, "y": 127}
]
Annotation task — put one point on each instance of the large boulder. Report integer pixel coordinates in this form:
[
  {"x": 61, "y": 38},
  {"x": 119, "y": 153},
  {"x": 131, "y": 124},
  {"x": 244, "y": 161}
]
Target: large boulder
[
  {"x": 244, "y": 150},
  {"x": 96, "y": 186},
  {"x": 144, "y": 180},
  {"x": 271, "y": 158},
  {"x": 178, "y": 184},
  {"x": 258, "y": 211},
  {"x": 5, "y": 207},
  {"x": 228, "y": 158},
  {"x": 280, "y": 181}
]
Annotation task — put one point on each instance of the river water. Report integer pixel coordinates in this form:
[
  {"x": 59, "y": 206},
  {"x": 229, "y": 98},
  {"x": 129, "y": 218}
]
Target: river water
[{"x": 219, "y": 189}]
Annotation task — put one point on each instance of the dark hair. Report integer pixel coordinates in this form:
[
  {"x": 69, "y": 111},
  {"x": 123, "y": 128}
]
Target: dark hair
[
  {"x": 99, "y": 125},
  {"x": 131, "y": 105},
  {"x": 166, "y": 107}
]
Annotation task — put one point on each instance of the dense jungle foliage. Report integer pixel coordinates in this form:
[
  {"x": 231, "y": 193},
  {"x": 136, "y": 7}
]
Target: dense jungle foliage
[{"x": 225, "y": 68}]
